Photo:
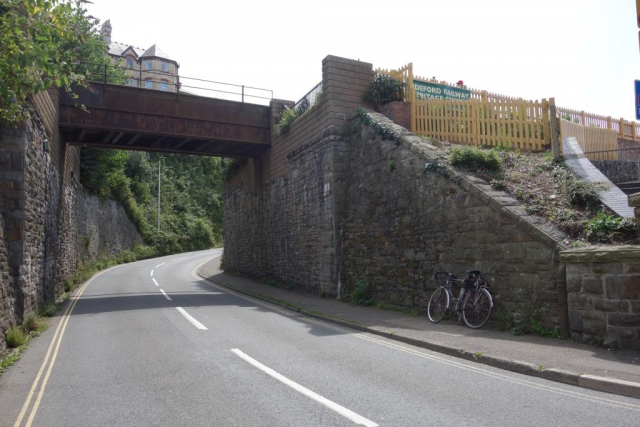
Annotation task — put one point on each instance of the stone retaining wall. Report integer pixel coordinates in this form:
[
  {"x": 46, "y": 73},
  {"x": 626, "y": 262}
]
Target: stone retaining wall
[
  {"x": 618, "y": 171},
  {"x": 7, "y": 316},
  {"x": 332, "y": 205},
  {"x": 40, "y": 215},
  {"x": 404, "y": 223},
  {"x": 283, "y": 211},
  {"x": 103, "y": 227},
  {"x": 603, "y": 290}
]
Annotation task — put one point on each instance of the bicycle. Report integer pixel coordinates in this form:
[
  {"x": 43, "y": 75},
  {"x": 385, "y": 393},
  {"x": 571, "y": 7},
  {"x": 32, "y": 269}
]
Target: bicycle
[{"x": 473, "y": 305}]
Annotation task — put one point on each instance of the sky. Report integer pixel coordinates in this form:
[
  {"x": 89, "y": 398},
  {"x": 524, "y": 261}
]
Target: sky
[{"x": 583, "y": 53}]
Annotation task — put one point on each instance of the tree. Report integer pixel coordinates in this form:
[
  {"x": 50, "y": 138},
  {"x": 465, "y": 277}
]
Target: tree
[{"x": 45, "y": 43}]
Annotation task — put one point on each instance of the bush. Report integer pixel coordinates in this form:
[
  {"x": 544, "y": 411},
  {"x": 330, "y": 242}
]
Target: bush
[
  {"x": 15, "y": 337},
  {"x": 579, "y": 193},
  {"x": 475, "y": 158},
  {"x": 384, "y": 89},
  {"x": 607, "y": 227}
]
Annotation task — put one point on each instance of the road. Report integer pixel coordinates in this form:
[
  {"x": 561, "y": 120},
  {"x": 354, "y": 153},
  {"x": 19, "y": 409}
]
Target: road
[{"x": 150, "y": 344}]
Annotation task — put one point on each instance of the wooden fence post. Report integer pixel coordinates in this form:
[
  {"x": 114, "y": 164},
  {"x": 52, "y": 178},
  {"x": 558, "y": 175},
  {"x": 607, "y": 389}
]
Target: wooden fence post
[
  {"x": 484, "y": 96},
  {"x": 583, "y": 115},
  {"x": 412, "y": 98},
  {"x": 553, "y": 122},
  {"x": 633, "y": 131},
  {"x": 621, "y": 132},
  {"x": 609, "y": 123}
]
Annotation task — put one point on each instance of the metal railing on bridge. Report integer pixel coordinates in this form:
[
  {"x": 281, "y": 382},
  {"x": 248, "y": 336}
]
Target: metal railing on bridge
[
  {"x": 310, "y": 98},
  {"x": 170, "y": 82}
]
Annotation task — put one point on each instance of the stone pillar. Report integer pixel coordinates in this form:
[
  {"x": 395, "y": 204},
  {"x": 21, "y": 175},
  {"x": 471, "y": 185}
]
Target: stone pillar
[
  {"x": 344, "y": 83},
  {"x": 277, "y": 106}
]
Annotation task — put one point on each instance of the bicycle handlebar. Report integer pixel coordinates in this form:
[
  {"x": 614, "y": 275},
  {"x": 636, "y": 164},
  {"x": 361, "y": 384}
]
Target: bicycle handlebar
[{"x": 436, "y": 274}]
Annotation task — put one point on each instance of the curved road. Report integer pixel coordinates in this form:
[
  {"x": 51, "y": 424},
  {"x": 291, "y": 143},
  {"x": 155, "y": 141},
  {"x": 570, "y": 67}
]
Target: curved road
[{"x": 150, "y": 344}]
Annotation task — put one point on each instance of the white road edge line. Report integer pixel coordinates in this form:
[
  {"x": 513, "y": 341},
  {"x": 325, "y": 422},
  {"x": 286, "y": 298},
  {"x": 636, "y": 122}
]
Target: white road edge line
[
  {"x": 360, "y": 420},
  {"x": 165, "y": 295},
  {"x": 159, "y": 265},
  {"x": 154, "y": 281},
  {"x": 151, "y": 273},
  {"x": 193, "y": 321}
]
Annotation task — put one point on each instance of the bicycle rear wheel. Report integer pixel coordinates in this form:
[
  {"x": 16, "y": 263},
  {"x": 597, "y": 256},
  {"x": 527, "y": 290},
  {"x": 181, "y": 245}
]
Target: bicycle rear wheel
[
  {"x": 438, "y": 304},
  {"x": 476, "y": 308}
]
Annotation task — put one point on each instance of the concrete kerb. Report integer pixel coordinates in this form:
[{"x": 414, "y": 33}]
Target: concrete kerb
[{"x": 608, "y": 385}]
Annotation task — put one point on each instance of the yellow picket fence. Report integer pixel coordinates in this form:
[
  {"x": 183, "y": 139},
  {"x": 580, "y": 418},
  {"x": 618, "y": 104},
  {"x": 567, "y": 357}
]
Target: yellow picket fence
[
  {"x": 624, "y": 129},
  {"x": 593, "y": 140},
  {"x": 403, "y": 74},
  {"x": 516, "y": 124}
]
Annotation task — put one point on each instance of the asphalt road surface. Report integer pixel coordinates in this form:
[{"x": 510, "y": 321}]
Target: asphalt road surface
[{"x": 150, "y": 344}]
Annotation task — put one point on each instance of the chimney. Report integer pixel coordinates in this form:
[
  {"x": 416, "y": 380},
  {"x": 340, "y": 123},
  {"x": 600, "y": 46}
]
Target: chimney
[{"x": 105, "y": 32}]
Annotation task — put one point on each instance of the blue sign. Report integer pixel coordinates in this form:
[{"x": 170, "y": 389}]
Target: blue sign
[{"x": 637, "y": 102}]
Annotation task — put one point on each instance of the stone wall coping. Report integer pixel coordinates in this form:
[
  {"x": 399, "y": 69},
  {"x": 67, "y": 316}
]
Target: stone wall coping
[
  {"x": 626, "y": 253},
  {"x": 498, "y": 200},
  {"x": 634, "y": 200}
]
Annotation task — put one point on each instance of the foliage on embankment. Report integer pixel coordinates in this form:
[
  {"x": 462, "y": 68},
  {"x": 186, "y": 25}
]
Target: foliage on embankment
[
  {"x": 547, "y": 188},
  {"x": 190, "y": 201}
]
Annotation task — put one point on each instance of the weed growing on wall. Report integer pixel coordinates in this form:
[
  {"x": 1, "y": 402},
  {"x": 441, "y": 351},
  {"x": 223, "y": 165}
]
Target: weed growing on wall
[{"x": 361, "y": 294}]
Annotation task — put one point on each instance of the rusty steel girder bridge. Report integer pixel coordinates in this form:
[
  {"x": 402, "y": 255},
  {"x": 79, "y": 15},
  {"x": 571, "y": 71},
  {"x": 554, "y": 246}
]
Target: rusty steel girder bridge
[{"x": 131, "y": 118}]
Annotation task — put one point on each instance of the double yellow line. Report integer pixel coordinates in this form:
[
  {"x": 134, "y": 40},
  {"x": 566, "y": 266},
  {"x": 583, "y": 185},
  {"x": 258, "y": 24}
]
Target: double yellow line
[{"x": 49, "y": 360}]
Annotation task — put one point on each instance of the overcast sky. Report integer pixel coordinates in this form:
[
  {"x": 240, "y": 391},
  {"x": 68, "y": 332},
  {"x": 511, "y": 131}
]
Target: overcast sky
[{"x": 585, "y": 53}]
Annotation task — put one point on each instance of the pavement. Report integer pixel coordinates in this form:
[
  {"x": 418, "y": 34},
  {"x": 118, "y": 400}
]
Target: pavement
[{"x": 557, "y": 360}]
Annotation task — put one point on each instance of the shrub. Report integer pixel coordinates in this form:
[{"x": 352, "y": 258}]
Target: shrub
[
  {"x": 475, "y": 158},
  {"x": 15, "y": 337},
  {"x": 384, "y": 89},
  {"x": 579, "y": 193},
  {"x": 605, "y": 226}
]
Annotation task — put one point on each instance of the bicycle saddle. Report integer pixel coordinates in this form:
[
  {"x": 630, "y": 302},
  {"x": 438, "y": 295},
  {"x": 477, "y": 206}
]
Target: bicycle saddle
[{"x": 475, "y": 273}]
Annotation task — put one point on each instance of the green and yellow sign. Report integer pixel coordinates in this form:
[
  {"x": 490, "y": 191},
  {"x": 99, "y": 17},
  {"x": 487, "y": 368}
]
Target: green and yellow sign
[{"x": 427, "y": 90}]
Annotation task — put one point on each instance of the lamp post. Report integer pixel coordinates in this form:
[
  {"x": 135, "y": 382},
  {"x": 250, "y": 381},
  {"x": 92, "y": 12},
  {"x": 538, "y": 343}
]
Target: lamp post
[{"x": 158, "y": 194}]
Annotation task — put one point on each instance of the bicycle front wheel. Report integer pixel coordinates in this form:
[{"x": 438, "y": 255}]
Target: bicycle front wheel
[
  {"x": 438, "y": 305},
  {"x": 476, "y": 308}
]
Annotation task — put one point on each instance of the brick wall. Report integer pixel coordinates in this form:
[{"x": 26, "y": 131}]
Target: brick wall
[
  {"x": 398, "y": 112},
  {"x": 603, "y": 290}
]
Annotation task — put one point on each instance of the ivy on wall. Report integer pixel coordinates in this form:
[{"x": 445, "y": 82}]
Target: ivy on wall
[{"x": 385, "y": 131}]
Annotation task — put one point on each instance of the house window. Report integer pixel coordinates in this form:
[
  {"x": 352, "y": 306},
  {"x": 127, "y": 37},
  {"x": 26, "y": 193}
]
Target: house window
[
  {"x": 164, "y": 66},
  {"x": 148, "y": 84},
  {"x": 132, "y": 82},
  {"x": 148, "y": 65},
  {"x": 164, "y": 85},
  {"x": 130, "y": 62}
]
